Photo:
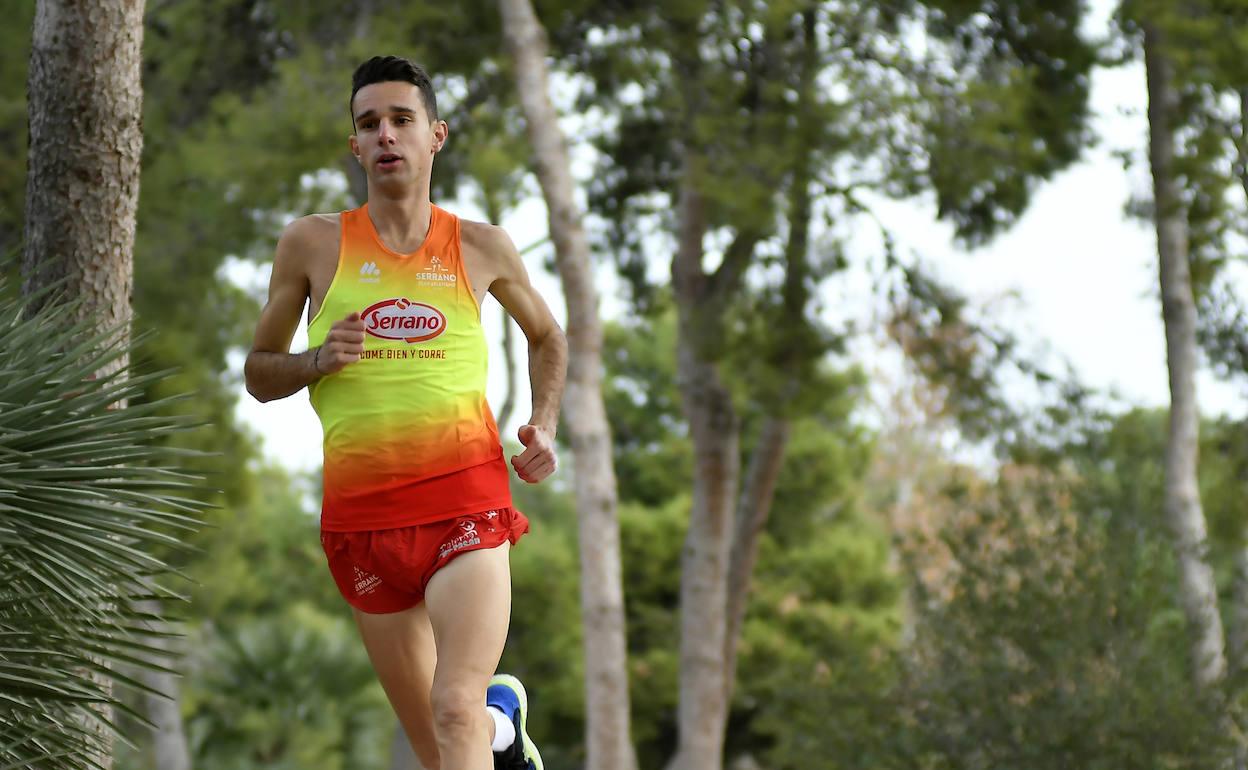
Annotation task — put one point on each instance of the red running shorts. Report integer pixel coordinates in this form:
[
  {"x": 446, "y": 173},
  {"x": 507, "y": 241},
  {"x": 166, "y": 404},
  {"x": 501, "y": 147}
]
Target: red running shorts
[{"x": 387, "y": 570}]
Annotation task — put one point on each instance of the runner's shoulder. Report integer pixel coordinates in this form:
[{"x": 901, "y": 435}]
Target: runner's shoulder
[
  {"x": 485, "y": 240},
  {"x": 312, "y": 233},
  {"x": 313, "y": 230}
]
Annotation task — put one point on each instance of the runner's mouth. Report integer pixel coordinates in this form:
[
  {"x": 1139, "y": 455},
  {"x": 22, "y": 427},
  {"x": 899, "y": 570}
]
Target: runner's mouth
[{"x": 389, "y": 160}]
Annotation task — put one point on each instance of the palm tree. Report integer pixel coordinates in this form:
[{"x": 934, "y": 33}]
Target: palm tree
[{"x": 86, "y": 496}]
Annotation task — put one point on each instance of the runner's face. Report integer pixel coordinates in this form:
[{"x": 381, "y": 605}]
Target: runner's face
[{"x": 394, "y": 138}]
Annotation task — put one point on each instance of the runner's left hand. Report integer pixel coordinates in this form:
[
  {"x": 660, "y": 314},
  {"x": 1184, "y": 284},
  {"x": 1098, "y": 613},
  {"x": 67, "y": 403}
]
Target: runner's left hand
[{"x": 538, "y": 460}]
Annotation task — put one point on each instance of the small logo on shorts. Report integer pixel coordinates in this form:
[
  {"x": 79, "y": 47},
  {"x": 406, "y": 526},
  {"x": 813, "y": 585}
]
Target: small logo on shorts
[
  {"x": 468, "y": 539},
  {"x": 365, "y": 583}
]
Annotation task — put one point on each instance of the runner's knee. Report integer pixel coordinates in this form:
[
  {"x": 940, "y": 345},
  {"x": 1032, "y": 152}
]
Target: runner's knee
[{"x": 457, "y": 709}]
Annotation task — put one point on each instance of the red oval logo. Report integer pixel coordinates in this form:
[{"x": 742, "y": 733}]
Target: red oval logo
[{"x": 402, "y": 319}]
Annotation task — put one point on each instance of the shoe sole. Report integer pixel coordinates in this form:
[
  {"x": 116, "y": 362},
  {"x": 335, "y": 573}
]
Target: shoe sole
[{"x": 530, "y": 749}]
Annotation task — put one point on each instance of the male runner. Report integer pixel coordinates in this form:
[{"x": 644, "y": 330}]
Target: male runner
[{"x": 416, "y": 518}]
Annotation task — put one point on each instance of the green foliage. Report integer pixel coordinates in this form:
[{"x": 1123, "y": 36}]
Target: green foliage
[
  {"x": 1007, "y": 85},
  {"x": 653, "y": 455},
  {"x": 826, "y": 459},
  {"x": 997, "y": 104},
  {"x": 1122, "y": 476},
  {"x": 825, "y": 614},
  {"x": 1224, "y": 486},
  {"x": 294, "y": 692},
  {"x": 1040, "y": 636},
  {"x": 1222, "y": 330},
  {"x": 992, "y": 103},
  {"x": 263, "y": 554},
  {"x": 1050, "y": 641},
  {"x": 87, "y": 494},
  {"x": 651, "y": 447},
  {"x": 817, "y": 606},
  {"x": 728, "y": 117},
  {"x": 650, "y": 547}
]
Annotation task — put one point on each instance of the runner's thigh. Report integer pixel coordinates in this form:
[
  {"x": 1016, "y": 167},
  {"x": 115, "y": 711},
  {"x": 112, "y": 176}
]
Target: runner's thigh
[
  {"x": 401, "y": 648},
  {"x": 469, "y": 603}
]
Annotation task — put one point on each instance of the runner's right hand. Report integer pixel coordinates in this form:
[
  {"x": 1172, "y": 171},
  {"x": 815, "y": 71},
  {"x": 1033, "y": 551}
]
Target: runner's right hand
[{"x": 343, "y": 345}]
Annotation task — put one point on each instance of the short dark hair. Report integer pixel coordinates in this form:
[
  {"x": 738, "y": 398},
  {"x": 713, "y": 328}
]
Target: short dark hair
[{"x": 383, "y": 69}]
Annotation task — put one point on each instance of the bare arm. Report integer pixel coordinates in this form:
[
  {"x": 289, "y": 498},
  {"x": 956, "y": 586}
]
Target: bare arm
[
  {"x": 272, "y": 371},
  {"x": 548, "y": 357}
]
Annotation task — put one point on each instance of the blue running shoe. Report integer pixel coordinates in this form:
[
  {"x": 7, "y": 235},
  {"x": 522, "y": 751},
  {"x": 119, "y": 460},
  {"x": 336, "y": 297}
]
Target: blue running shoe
[{"x": 506, "y": 694}]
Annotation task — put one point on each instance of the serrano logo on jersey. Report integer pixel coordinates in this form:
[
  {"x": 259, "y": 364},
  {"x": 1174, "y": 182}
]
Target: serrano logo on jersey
[{"x": 402, "y": 319}]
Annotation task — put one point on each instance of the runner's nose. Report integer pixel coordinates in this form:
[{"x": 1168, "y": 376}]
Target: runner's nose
[{"x": 385, "y": 133}]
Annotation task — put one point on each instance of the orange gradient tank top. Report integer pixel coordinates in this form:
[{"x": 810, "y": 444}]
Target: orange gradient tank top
[{"x": 408, "y": 435}]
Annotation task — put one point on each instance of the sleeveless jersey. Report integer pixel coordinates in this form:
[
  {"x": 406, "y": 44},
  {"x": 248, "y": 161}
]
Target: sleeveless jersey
[{"x": 408, "y": 435}]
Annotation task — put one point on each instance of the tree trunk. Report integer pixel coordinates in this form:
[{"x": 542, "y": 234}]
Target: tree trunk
[
  {"x": 85, "y": 97},
  {"x": 82, "y": 184},
  {"x": 715, "y": 432},
  {"x": 721, "y": 544},
  {"x": 1184, "y": 516},
  {"x": 608, "y": 738},
  {"x": 760, "y": 487},
  {"x": 169, "y": 746}
]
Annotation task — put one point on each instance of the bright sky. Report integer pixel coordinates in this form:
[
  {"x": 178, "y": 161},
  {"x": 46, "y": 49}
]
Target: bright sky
[{"x": 1084, "y": 278}]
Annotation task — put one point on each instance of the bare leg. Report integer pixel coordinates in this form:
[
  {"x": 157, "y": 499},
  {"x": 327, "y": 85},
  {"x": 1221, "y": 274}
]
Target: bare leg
[
  {"x": 469, "y": 603},
  {"x": 400, "y": 646}
]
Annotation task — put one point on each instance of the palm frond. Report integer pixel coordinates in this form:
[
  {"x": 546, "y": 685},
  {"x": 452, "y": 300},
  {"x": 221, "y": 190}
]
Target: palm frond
[{"x": 88, "y": 495}]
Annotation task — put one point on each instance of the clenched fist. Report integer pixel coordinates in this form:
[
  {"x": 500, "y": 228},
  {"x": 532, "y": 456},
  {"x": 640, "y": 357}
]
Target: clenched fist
[
  {"x": 538, "y": 460},
  {"x": 344, "y": 344}
]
